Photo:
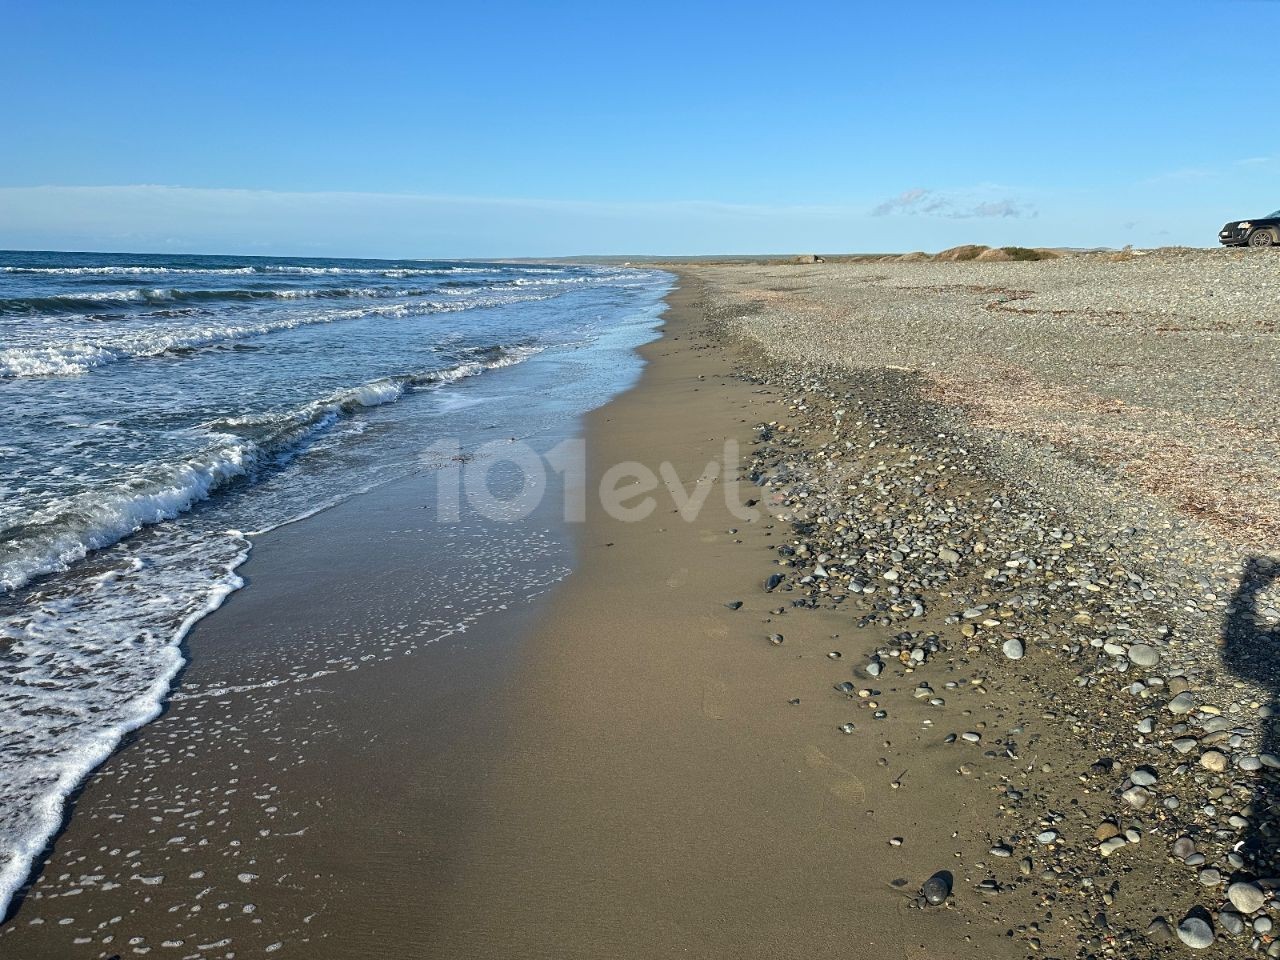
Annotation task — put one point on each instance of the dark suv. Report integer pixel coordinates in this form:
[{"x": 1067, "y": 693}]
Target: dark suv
[{"x": 1261, "y": 232}]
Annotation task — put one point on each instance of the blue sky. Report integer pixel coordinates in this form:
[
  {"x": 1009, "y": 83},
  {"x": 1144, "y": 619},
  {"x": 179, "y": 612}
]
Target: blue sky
[{"x": 541, "y": 129}]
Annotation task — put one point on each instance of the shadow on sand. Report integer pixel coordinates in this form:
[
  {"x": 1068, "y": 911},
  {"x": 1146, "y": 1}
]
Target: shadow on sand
[{"x": 1251, "y": 651}]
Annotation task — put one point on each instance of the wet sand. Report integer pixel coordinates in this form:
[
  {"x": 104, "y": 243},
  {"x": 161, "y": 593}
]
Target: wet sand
[
  {"x": 325, "y": 753},
  {"x": 662, "y": 794}
]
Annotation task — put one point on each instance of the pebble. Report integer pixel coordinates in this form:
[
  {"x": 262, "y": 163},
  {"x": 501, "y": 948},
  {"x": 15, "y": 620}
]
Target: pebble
[
  {"x": 1137, "y": 797},
  {"x": 1182, "y": 704},
  {"x": 937, "y": 888},
  {"x": 1143, "y": 655},
  {"x": 1231, "y": 922},
  {"x": 1213, "y": 760},
  {"x": 1014, "y": 649},
  {"x": 1144, "y": 777},
  {"x": 1246, "y": 897},
  {"x": 1111, "y": 845},
  {"x": 1196, "y": 933}
]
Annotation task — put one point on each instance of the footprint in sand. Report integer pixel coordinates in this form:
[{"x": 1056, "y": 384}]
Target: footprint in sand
[
  {"x": 842, "y": 781},
  {"x": 715, "y": 699}
]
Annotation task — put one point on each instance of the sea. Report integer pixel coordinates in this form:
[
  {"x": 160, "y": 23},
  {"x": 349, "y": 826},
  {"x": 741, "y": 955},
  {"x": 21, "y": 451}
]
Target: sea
[{"x": 157, "y": 413}]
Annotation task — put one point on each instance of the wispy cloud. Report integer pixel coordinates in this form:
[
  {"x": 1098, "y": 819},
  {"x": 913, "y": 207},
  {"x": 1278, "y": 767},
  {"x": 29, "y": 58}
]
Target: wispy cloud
[{"x": 955, "y": 206}]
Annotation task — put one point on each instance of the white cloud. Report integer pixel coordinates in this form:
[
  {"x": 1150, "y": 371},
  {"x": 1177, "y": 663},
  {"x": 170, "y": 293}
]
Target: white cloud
[{"x": 955, "y": 206}]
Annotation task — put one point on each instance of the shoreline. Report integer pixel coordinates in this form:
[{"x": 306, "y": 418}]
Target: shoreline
[
  {"x": 665, "y": 795},
  {"x": 629, "y": 767}
]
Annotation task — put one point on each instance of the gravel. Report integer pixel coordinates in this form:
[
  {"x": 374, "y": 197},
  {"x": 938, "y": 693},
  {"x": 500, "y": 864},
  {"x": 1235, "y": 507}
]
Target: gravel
[{"x": 961, "y": 542}]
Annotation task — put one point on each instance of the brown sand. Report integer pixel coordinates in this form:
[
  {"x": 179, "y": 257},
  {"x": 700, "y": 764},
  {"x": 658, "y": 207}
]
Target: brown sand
[{"x": 661, "y": 795}]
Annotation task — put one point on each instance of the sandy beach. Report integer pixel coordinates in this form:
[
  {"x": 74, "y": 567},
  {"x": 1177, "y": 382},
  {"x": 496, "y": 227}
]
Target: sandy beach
[{"x": 983, "y": 598}]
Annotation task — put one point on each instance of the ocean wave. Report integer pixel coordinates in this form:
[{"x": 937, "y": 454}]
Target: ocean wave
[
  {"x": 79, "y": 357},
  {"x": 85, "y": 663},
  {"x": 240, "y": 271},
  {"x": 98, "y": 299},
  {"x": 68, "y": 529}
]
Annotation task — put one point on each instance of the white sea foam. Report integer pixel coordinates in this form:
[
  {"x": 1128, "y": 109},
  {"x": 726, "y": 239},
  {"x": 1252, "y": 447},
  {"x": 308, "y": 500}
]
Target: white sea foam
[
  {"x": 84, "y": 663},
  {"x": 79, "y": 357},
  {"x": 303, "y": 271},
  {"x": 67, "y": 529}
]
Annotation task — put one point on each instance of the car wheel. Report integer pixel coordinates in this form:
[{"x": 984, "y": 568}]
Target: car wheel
[{"x": 1261, "y": 238}]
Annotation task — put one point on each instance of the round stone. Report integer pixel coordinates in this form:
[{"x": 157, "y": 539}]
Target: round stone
[
  {"x": 1231, "y": 922},
  {"x": 1213, "y": 760},
  {"x": 1137, "y": 797},
  {"x": 1183, "y": 703},
  {"x": 1246, "y": 897},
  {"x": 937, "y": 888},
  {"x": 1143, "y": 656},
  {"x": 1195, "y": 933},
  {"x": 1014, "y": 649}
]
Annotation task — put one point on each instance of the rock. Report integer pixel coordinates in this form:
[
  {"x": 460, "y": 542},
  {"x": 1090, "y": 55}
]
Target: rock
[
  {"x": 1143, "y": 655},
  {"x": 937, "y": 888},
  {"x": 1183, "y": 703},
  {"x": 1196, "y": 933},
  {"x": 1246, "y": 897},
  {"x": 1231, "y": 922},
  {"x": 772, "y": 583},
  {"x": 1106, "y": 831},
  {"x": 1014, "y": 649},
  {"x": 1137, "y": 797},
  {"x": 1110, "y": 846},
  {"x": 1144, "y": 777},
  {"x": 1182, "y": 848},
  {"x": 1213, "y": 760},
  {"x": 947, "y": 555},
  {"x": 1159, "y": 930}
]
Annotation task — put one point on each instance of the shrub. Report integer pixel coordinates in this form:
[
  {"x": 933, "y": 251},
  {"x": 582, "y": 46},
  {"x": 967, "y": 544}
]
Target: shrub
[{"x": 1026, "y": 253}]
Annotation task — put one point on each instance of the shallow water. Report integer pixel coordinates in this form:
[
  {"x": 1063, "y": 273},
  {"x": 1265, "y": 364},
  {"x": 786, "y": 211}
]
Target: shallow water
[{"x": 158, "y": 411}]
